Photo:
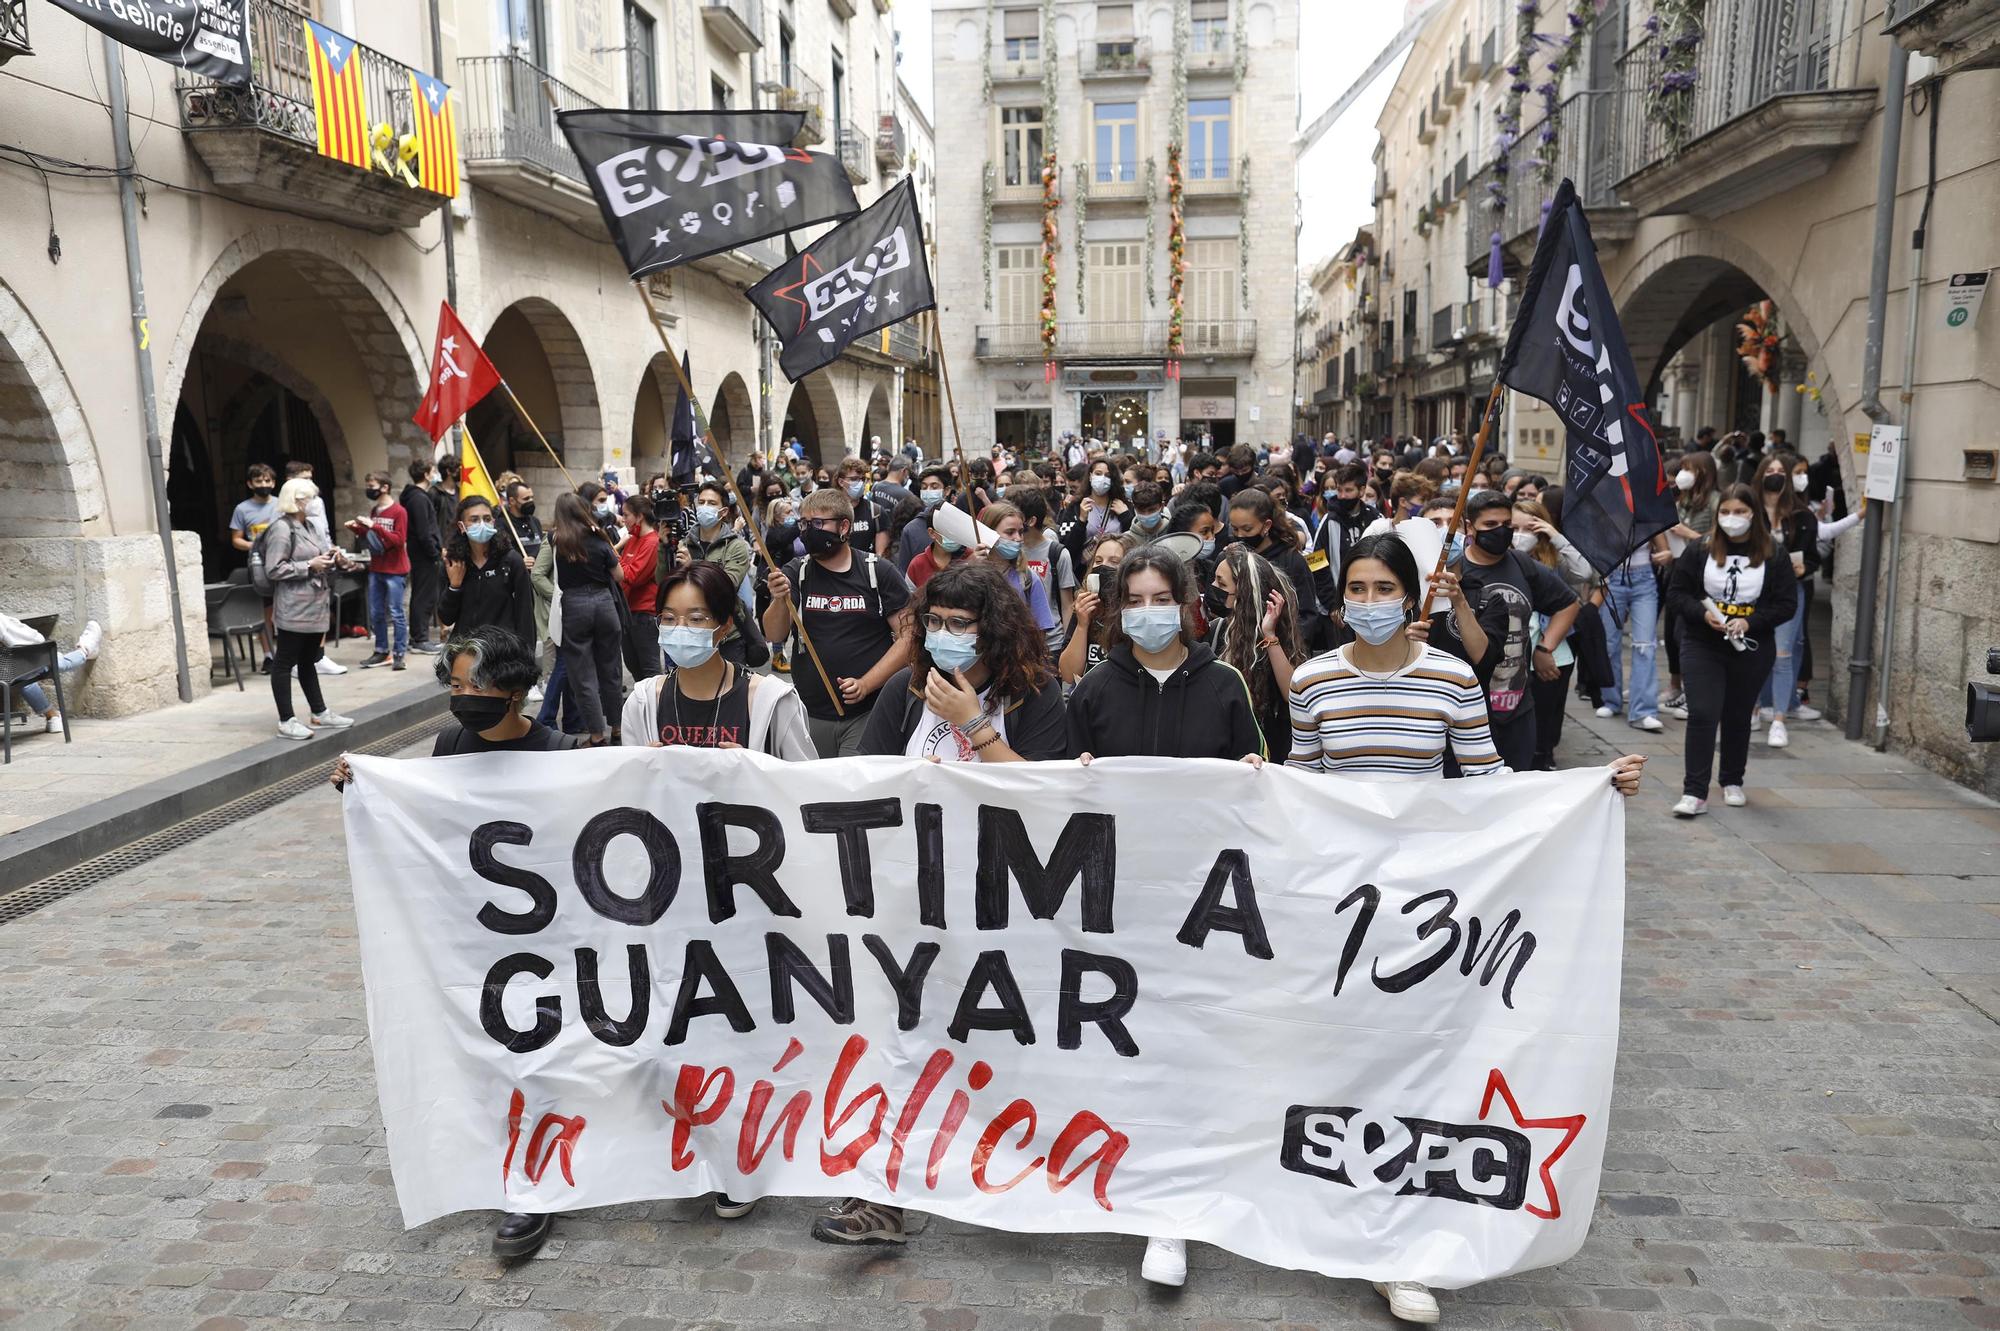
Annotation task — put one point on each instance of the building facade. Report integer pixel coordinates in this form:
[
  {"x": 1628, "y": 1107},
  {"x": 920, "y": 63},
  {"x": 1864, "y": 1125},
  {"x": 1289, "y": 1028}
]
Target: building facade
[
  {"x": 1737, "y": 183},
  {"x": 292, "y": 298},
  {"x": 1338, "y": 309},
  {"x": 1117, "y": 184}
]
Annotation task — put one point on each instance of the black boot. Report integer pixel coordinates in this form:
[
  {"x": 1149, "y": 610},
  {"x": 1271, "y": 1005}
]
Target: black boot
[{"x": 521, "y": 1235}]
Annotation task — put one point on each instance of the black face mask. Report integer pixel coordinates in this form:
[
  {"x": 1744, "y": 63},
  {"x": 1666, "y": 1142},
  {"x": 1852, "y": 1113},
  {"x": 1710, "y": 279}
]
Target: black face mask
[
  {"x": 374, "y": 493},
  {"x": 1494, "y": 540},
  {"x": 479, "y": 714},
  {"x": 819, "y": 542},
  {"x": 1346, "y": 507},
  {"x": 261, "y": 491},
  {"x": 1773, "y": 483},
  {"x": 528, "y": 509},
  {"x": 1215, "y": 603}
]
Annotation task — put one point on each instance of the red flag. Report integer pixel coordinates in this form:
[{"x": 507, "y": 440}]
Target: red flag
[{"x": 460, "y": 376}]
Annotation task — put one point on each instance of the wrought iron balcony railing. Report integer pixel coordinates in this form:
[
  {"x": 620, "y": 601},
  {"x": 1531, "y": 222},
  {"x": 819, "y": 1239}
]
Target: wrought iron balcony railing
[
  {"x": 891, "y": 143},
  {"x": 509, "y": 120},
  {"x": 799, "y": 91},
  {"x": 856, "y": 153},
  {"x": 1219, "y": 337},
  {"x": 14, "y": 30},
  {"x": 738, "y": 24},
  {"x": 1585, "y": 123}
]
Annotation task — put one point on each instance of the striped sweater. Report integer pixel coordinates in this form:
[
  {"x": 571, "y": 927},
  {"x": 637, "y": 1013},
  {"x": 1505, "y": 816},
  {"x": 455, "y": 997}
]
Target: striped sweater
[{"x": 1349, "y": 722}]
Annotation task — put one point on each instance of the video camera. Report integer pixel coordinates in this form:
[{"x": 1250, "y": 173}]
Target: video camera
[
  {"x": 1982, "y": 704},
  {"x": 673, "y": 514}
]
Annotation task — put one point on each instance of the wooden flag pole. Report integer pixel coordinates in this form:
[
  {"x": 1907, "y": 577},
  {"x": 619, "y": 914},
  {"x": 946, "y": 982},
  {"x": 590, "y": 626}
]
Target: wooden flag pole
[
  {"x": 571, "y": 480},
  {"x": 957, "y": 440},
  {"x": 728, "y": 479},
  {"x": 1464, "y": 491},
  {"x": 501, "y": 505}
]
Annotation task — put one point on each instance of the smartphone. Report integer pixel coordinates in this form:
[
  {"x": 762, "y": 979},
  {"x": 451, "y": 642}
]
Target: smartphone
[{"x": 1090, "y": 582}]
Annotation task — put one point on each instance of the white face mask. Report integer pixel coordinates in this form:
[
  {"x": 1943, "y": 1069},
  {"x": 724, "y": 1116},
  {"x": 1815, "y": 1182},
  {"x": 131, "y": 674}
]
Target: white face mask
[
  {"x": 1734, "y": 525},
  {"x": 1684, "y": 480},
  {"x": 1524, "y": 541},
  {"x": 1799, "y": 481}
]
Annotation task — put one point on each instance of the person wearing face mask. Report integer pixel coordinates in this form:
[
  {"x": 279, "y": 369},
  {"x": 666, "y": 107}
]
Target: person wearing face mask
[
  {"x": 639, "y": 558},
  {"x": 426, "y": 547},
  {"x": 855, "y": 606},
  {"x": 1254, "y": 627},
  {"x": 249, "y": 521},
  {"x": 710, "y": 700},
  {"x": 1731, "y": 593},
  {"x": 934, "y": 487},
  {"x": 485, "y": 581},
  {"x": 1045, "y": 556},
  {"x": 1193, "y": 514},
  {"x": 587, "y": 575},
  {"x": 1257, "y": 523},
  {"x": 1505, "y": 591},
  {"x": 940, "y": 554},
  {"x": 1149, "y": 511},
  {"x": 1161, "y": 692},
  {"x": 1348, "y": 515},
  {"x": 1698, "y": 486},
  {"x": 1100, "y": 509},
  {"x": 489, "y": 672},
  {"x": 1009, "y": 552},
  {"x": 1781, "y": 480},
  {"x": 867, "y": 534},
  {"x": 1087, "y": 635},
  {"x": 715, "y": 537},
  {"x": 385, "y": 528}
]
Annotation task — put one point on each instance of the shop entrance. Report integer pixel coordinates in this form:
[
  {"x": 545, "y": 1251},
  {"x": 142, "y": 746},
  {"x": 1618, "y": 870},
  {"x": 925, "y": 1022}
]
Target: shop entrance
[
  {"x": 1024, "y": 427},
  {"x": 1116, "y": 416}
]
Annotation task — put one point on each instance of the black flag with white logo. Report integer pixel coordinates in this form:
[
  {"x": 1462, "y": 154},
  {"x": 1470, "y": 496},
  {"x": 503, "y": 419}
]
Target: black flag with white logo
[
  {"x": 1567, "y": 349},
  {"x": 862, "y": 276},
  {"x": 207, "y": 38},
  {"x": 677, "y": 185}
]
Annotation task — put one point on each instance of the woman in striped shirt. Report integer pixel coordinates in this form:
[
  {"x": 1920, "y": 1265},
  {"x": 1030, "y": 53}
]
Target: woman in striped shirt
[{"x": 1387, "y": 704}]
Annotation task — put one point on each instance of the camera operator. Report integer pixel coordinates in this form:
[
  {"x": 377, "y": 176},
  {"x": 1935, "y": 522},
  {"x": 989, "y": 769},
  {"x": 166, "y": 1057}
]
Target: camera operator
[{"x": 711, "y": 534}]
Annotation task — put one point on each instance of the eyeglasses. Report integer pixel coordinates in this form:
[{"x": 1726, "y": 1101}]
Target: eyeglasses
[
  {"x": 955, "y": 624},
  {"x": 822, "y": 524},
  {"x": 699, "y": 619}
]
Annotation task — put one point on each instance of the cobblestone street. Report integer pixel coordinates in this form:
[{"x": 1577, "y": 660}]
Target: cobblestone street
[{"x": 1804, "y": 1130}]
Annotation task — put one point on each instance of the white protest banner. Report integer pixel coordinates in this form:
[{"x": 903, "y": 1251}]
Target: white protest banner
[{"x": 1365, "y": 1029}]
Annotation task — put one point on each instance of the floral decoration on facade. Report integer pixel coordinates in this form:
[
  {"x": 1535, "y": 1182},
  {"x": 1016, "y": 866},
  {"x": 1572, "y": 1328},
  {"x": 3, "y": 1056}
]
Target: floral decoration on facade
[
  {"x": 986, "y": 73},
  {"x": 1152, "y": 197},
  {"x": 1176, "y": 260},
  {"x": 1240, "y": 31},
  {"x": 1081, "y": 176},
  {"x": 1810, "y": 389},
  {"x": 1759, "y": 335},
  {"x": 1582, "y": 16},
  {"x": 986, "y": 230},
  {"x": 1507, "y": 131},
  {"x": 1243, "y": 233},
  {"x": 1675, "y": 26},
  {"x": 1051, "y": 201}
]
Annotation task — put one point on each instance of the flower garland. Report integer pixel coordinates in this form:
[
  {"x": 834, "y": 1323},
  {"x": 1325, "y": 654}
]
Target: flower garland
[
  {"x": 1507, "y": 131},
  {"x": 1243, "y": 234},
  {"x": 1082, "y": 177},
  {"x": 986, "y": 230},
  {"x": 1176, "y": 259},
  {"x": 1051, "y": 200},
  {"x": 1759, "y": 334},
  {"x": 1152, "y": 197},
  {"x": 986, "y": 70},
  {"x": 1582, "y": 16},
  {"x": 1677, "y": 24},
  {"x": 1240, "y": 30}
]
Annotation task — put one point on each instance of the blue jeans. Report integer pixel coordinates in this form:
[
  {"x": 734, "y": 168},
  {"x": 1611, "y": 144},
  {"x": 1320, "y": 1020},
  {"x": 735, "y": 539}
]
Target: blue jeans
[
  {"x": 557, "y": 700},
  {"x": 34, "y": 695},
  {"x": 1783, "y": 681},
  {"x": 1636, "y": 596},
  {"x": 385, "y": 607}
]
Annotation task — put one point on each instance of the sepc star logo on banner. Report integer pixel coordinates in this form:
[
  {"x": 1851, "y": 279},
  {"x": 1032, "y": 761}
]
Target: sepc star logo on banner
[{"x": 1569, "y": 1126}]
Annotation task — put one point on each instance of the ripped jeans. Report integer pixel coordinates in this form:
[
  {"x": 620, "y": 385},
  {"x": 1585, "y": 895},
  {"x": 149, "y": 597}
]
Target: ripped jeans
[
  {"x": 1782, "y": 683},
  {"x": 1636, "y": 595}
]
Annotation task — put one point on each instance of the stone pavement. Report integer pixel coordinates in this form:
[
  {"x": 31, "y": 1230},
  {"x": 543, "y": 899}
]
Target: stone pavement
[
  {"x": 106, "y": 757},
  {"x": 1804, "y": 1131}
]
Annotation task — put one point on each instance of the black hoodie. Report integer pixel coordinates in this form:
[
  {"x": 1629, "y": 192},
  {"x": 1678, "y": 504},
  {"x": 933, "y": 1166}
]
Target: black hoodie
[{"x": 1119, "y": 710}]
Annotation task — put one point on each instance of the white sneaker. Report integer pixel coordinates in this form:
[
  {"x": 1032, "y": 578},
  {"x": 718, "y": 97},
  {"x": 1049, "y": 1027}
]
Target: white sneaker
[
  {"x": 52, "y": 724},
  {"x": 1734, "y": 797},
  {"x": 1778, "y": 737},
  {"x": 535, "y": 694},
  {"x": 1803, "y": 712},
  {"x": 90, "y": 639},
  {"x": 1690, "y": 807},
  {"x": 1166, "y": 1261},
  {"x": 1606, "y": 713},
  {"x": 1758, "y": 716},
  {"x": 1677, "y": 710},
  {"x": 1408, "y": 1301},
  {"x": 326, "y": 665},
  {"x": 1650, "y": 724},
  {"x": 332, "y": 720},
  {"x": 294, "y": 729}
]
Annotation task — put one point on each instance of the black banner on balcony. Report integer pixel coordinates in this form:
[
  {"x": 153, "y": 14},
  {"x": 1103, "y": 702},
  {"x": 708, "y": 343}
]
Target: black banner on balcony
[
  {"x": 208, "y": 38},
  {"x": 1568, "y": 349},
  {"x": 859, "y": 277},
  {"x": 677, "y": 185}
]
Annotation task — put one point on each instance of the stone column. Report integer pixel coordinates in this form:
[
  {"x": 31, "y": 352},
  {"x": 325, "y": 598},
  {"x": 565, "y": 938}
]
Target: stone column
[
  {"x": 1718, "y": 368},
  {"x": 1790, "y": 407},
  {"x": 1686, "y": 372}
]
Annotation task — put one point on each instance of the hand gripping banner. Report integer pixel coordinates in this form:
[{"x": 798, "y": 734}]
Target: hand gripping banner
[{"x": 1356, "y": 1028}]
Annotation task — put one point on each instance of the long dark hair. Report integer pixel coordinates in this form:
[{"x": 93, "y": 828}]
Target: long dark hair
[
  {"x": 1788, "y": 498},
  {"x": 1279, "y": 528},
  {"x": 574, "y": 525},
  {"x": 1014, "y": 651},
  {"x": 1756, "y": 542},
  {"x": 1389, "y": 549},
  {"x": 718, "y": 593},
  {"x": 458, "y": 547},
  {"x": 1239, "y": 631},
  {"x": 1180, "y": 579}
]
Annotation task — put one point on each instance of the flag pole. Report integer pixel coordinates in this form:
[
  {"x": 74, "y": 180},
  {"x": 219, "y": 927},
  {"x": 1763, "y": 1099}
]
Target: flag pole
[
  {"x": 501, "y": 504},
  {"x": 1464, "y": 491},
  {"x": 729, "y": 479},
  {"x": 538, "y": 433},
  {"x": 951, "y": 404}
]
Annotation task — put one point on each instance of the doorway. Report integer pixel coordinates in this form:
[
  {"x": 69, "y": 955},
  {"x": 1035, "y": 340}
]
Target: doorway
[
  {"x": 1116, "y": 416},
  {"x": 1026, "y": 427}
]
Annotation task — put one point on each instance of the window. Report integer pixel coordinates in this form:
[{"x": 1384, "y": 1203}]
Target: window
[
  {"x": 1115, "y": 47},
  {"x": 784, "y": 53},
  {"x": 720, "y": 95},
  {"x": 1017, "y": 272},
  {"x": 1023, "y": 30},
  {"x": 1211, "y": 290},
  {"x": 839, "y": 90},
  {"x": 1211, "y": 25},
  {"x": 1117, "y": 140},
  {"x": 1208, "y": 138},
  {"x": 642, "y": 56},
  {"x": 1113, "y": 283},
  {"x": 1020, "y": 144}
]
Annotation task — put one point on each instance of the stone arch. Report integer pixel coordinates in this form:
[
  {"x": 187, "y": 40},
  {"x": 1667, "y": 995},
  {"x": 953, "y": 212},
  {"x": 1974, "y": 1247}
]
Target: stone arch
[
  {"x": 559, "y": 389},
  {"x": 248, "y": 405},
  {"x": 50, "y": 484},
  {"x": 732, "y": 417},
  {"x": 875, "y": 420},
  {"x": 812, "y": 412}
]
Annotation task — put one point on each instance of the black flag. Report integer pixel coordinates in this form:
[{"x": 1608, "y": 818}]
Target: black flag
[
  {"x": 682, "y": 434},
  {"x": 207, "y": 38},
  {"x": 1567, "y": 349},
  {"x": 863, "y": 275},
  {"x": 677, "y": 185}
]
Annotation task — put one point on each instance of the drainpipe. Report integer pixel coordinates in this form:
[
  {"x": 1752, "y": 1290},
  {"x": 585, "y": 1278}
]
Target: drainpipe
[
  {"x": 1935, "y": 110},
  {"x": 135, "y": 279},
  {"x": 1860, "y": 661},
  {"x": 445, "y": 217}
]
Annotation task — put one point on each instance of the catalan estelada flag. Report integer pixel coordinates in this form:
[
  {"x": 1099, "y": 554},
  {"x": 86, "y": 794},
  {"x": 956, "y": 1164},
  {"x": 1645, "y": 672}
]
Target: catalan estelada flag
[
  {"x": 437, "y": 135},
  {"x": 338, "y": 103}
]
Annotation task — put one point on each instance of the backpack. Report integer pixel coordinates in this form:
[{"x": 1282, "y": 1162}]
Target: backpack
[{"x": 260, "y": 574}]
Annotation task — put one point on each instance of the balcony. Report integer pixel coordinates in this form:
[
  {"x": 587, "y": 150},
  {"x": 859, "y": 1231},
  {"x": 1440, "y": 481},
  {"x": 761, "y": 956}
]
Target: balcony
[
  {"x": 1210, "y": 47},
  {"x": 1216, "y": 179},
  {"x": 1112, "y": 181},
  {"x": 857, "y": 154},
  {"x": 892, "y": 145},
  {"x": 745, "y": 265},
  {"x": 736, "y": 24},
  {"x": 1766, "y": 117},
  {"x": 1454, "y": 83},
  {"x": 1476, "y": 59},
  {"x": 798, "y": 92},
  {"x": 1962, "y": 34},
  {"x": 1017, "y": 60},
  {"x": 909, "y": 343},
  {"x": 261, "y": 142},
  {"x": 1219, "y": 337},
  {"x": 1586, "y": 121},
  {"x": 843, "y": 8},
  {"x": 1146, "y": 337},
  {"x": 511, "y": 143},
  {"x": 1441, "y": 101},
  {"x": 14, "y": 30},
  {"x": 1007, "y": 342},
  {"x": 1427, "y": 130},
  {"x": 1117, "y": 60},
  {"x": 1444, "y": 328}
]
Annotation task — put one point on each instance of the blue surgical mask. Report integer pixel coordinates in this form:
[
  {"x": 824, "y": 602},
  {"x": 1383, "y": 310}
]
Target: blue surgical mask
[
  {"x": 1456, "y": 550},
  {"x": 1152, "y": 627},
  {"x": 854, "y": 489},
  {"x": 1150, "y": 521},
  {"x": 1100, "y": 485},
  {"x": 951, "y": 651},
  {"x": 949, "y": 546},
  {"x": 1375, "y": 622},
  {"x": 1207, "y": 547},
  {"x": 932, "y": 498},
  {"x": 479, "y": 533},
  {"x": 707, "y": 514},
  {"x": 687, "y": 647},
  {"x": 1007, "y": 550}
]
